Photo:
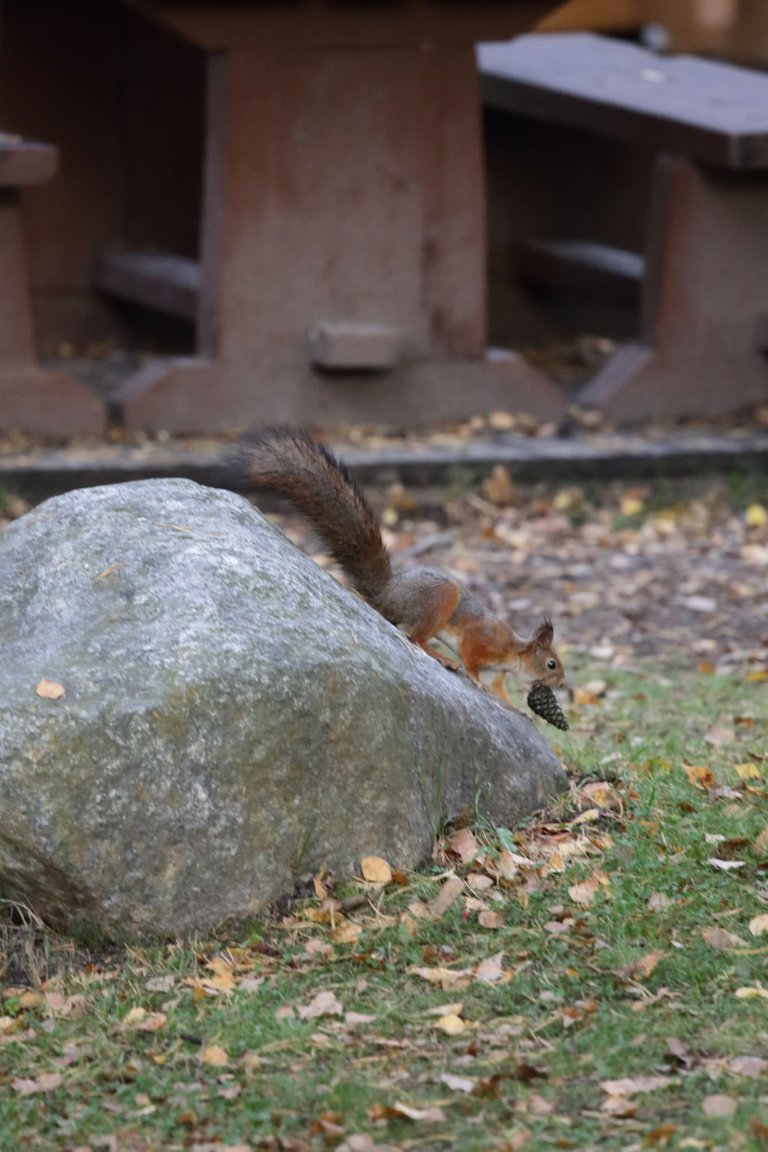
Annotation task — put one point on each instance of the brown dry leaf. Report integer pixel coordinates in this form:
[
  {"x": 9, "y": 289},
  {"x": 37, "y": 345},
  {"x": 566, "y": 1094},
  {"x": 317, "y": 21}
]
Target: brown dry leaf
[
  {"x": 585, "y": 892},
  {"x": 463, "y": 843},
  {"x": 448, "y": 894},
  {"x": 215, "y": 1056},
  {"x": 619, "y": 1106},
  {"x": 490, "y": 919},
  {"x": 721, "y": 939},
  {"x": 445, "y": 977},
  {"x": 753, "y": 1066},
  {"x": 719, "y": 1106},
  {"x": 479, "y": 882},
  {"x": 361, "y": 1142},
  {"x": 489, "y": 971},
  {"x": 346, "y": 932},
  {"x": 760, "y": 843},
  {"x": 632, "y": 1085},
  {"x": 700, "y": 776},
  {"x": 603, "y": 794},
  {"x": 450, "y": 1024},
  {"x": 323, "y": 1004},
  {"x": 45, "y": 1082},
  {"x": 376, "y": 870},
  {"x": 432, "y": 1115},
  {"x": 759, "y": 924},
  {"x": 49, "y": 689},
  {"x": 152, "y": 1022},
  {"x": 640, "y": 969},
  {"x": 499, "y": 488}
]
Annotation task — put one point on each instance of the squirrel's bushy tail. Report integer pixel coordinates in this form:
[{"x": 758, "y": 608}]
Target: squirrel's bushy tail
[{"x": 288, "y": 461}]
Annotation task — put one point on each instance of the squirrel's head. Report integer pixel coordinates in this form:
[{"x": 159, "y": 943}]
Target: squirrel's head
[{"x": 539, "y": 658}]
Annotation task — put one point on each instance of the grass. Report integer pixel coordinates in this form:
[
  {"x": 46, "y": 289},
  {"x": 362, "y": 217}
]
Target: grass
[{"x": 625, "y": 954}]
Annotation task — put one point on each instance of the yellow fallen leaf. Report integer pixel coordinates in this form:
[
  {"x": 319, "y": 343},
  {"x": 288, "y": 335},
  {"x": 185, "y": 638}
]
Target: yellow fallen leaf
[
  {"x": 215, "y": 1056},
  {"x": 759, "y": 924},
  {"x": 631, "y": 505},
  {"x": 451, "y": 1024},
  {"x": 376, "y": 870},
  {"x": 700, "y": 777},
  {"x": 756, "y": 516},
  {"x": 134, "y": 1017},
  {"x": 753, "y": 991},
  {"x": 49, "y": 689},
  {"x": 757, "y": 676},
  {"x": 747, "y": 771}
]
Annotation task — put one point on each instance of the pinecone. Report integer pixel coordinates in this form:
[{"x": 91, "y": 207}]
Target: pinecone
[{"x": 542, "y": 701}]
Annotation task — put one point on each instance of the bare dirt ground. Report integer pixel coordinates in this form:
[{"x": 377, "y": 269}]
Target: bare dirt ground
[{"x": 676, "y": 572}]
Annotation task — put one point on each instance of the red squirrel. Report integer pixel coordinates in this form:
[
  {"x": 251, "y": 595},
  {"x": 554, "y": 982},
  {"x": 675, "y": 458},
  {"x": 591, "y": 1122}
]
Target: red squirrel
[{"x": 427, "y": 603}]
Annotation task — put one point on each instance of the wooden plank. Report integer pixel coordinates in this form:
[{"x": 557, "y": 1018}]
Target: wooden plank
[
  {"x": 584, "y": 265},
  {"x": 25, "y": 161},
  {"x": 156, "y": 280},
  {"x": 711, "y": 112}
]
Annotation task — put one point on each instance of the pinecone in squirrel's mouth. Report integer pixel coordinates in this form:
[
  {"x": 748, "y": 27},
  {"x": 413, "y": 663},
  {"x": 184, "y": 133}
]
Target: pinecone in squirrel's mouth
[{"x": 542, "y": 701}]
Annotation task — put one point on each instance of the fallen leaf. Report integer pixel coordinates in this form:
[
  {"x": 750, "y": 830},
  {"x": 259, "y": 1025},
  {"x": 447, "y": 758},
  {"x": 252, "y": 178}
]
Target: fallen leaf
[
  {"x": 450, "y": 891},
  {"x": 752, "y": 991},
  {"x": 323, "y": 1004},
  {"x": 747, "y": 771},
  {"x": 753, "y": 1066},
  {"x": 725, "y": 865},
  {"x": 445, "y": 977},
  {"x": 463, "y": 843},
  {"x": 215, "y": 1056},
  {"x": 756, "y": 516},
  {"x": 376, "y": 870},
  {"x": 699, "y": 776},
  {"x": 490, "y": 919},
  {"x": 433, "y": 1115},
  {"x": 45, "y": 1082},
  {"x": 585, "y": 892},
  {"x": 489, "y": 971},
  {"x": 632, "y": 1085},
  {"x": 619, "y": 1106},
  {"x": 719, "y": 1106},
  {"x": 659, "y": 902},
  {"x": 721, "y": 939},
  {"x": 759, "y": 924},
  {"x": 49, "y": 689},
  {"x": 458, "y": 1083},
  {"x": 450, "y": 1024}
]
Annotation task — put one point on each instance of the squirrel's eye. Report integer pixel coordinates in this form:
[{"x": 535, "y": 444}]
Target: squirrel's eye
[{"x": 551, "y": 664}]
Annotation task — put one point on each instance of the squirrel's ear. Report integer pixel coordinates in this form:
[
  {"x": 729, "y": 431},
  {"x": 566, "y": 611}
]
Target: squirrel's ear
[{"x": 544, "y": 635}]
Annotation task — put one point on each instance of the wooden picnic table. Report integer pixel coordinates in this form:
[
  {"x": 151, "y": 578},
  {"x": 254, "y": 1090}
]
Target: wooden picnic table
[{"x": 343, "y": 254}]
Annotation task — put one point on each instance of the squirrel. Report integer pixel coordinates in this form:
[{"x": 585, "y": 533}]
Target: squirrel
[{"x": 427, "y": 603}]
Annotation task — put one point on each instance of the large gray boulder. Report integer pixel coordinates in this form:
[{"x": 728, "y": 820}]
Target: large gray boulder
[{"x": 232, "y": 718}]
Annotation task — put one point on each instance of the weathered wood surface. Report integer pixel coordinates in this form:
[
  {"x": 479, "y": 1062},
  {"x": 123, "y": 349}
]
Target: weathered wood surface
[{"x": 711, "y": 112}]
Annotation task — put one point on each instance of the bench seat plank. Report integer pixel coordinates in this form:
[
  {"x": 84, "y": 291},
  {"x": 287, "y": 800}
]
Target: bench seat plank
[
  {"x": 25, "y": 161},
  {"x": 158, "y": 280},
  {"x": 706, "y": 111}
]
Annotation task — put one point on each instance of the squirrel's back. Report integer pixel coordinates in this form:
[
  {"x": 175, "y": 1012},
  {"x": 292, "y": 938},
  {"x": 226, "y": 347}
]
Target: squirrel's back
[{"x": 288, "y": 461}]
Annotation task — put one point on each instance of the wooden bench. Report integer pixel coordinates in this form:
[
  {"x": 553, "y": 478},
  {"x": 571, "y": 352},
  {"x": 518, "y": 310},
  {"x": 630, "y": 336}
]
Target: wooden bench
[
  {"x": 30, "y": 397},
  {"x": 702, "y": 281}
]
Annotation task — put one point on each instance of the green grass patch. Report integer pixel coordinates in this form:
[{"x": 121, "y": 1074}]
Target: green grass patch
[{"x": 596, "y": 979}]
